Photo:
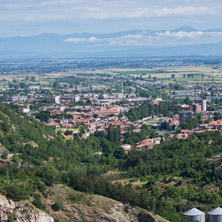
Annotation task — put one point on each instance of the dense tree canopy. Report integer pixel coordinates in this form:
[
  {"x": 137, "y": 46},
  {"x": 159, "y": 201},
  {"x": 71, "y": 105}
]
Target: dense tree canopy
[{"x": 170, "y": 178}]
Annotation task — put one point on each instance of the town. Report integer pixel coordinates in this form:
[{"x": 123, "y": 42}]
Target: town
[{"x": 78, "y": 103}]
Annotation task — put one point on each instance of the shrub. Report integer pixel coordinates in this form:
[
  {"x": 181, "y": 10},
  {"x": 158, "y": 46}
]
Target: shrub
[
  {"x": 76, "y": 197},
  {"x": 57, "y": 205},
  {"x": 38, "y": 203}
]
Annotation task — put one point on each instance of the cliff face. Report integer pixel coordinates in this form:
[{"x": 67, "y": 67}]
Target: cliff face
[
  {"x": 19, "y": 212},
  {"x": 91, "y": 208},
  {"x": 117, "y": 213},
  {"x": 95, "y": 208}
]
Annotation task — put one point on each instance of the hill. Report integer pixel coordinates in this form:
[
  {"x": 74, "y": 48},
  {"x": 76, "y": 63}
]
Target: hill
[
  {"x": 35, "y": 158},
  {"x": 75, "y": 206}
]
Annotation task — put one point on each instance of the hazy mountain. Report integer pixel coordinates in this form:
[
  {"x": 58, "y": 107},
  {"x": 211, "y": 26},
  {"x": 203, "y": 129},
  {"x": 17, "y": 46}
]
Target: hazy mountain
[
  {"x": 180, "y": 41},
  {"x": 184, "y": 29}
]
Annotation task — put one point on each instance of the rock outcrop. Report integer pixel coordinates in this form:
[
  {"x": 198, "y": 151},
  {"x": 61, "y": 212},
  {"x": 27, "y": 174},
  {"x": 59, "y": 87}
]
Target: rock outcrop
[
  {"x": 91, "y": 208},
  {"x": 95, "y": 208},
  {"x": 117, "y": 213},
  {"x": 20, "y": 212}
]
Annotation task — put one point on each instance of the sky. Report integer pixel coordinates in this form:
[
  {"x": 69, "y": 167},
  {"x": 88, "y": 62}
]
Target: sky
[{"x": 32, "y": 17}]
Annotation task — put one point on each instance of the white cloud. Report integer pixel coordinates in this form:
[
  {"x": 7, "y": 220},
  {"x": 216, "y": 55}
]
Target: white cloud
[
  {"x": 159, "y": 39},
  {"x": 76, "y": 40},
  {"x": 182, "y": 34},
  {"x": 137, "y": 13},
  {"x": 93, "y": 39},
  {"x": 67, "y": 16},
  {"x": 79, "y": 40},
  {"x": 183, "y": 11},
  {"x": 46, "y": 10}
]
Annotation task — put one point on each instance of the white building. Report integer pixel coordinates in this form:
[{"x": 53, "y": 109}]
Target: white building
[
  {"x": 204, "y": 105},
  {"x": 75, "y": 99},
  {"x": 24, "y": 110},
  {"x": 120, "y": 96},
  {"x": 56, "y": 99}
]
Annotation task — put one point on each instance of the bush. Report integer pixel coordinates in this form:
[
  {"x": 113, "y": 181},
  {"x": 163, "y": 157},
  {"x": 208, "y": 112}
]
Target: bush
[
  {"x": 11, "y": 218},
  {"x": 76, "y": 197},
  {"x": 57, "y": 205},
  {"x": 38, "y": 203},
  {"x": 133, "y": 180},
  {"x": 17, "y": 192},
  {"x": 4, "y": 155}
]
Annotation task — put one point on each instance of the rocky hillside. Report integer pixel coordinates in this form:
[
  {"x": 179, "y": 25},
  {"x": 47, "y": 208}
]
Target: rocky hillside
[
  {"x": 76, "y": 207},
  {"x": 21, "y": 212},
  {"x": 33, "y": 158}
]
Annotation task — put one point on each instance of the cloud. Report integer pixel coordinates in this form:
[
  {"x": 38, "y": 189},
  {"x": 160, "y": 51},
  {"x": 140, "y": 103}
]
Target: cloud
[
  {"x": 158, "y": 39},
  {"x": 28, "y": 17},
  {"x": 138, "y": 13},
  {"x": 182, "y": 34},
  {"x": 79, "y": 40},
  {"x": 54, "y": 10},
  {"x": 183, "y": 11}
]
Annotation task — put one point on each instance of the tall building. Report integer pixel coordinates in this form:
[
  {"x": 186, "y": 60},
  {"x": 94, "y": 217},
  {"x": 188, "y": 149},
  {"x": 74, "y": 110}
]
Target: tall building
[
  {"x": 204, "y": 105},
  {"x": 121, "y": 95},
  {"x": 56, "y": 99},
  {"x": 75, "y": 99},
  {"x": 198, "y": 101},
  {"x": 184, "y": 116},
  {"x": 197, "y": 108}
]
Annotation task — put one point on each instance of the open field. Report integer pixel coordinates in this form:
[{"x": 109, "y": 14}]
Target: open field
[{"x": 181, "y": 74}]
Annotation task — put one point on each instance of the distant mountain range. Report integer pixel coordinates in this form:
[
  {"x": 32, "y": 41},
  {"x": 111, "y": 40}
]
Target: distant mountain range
[{"x": 177, "y": 42}]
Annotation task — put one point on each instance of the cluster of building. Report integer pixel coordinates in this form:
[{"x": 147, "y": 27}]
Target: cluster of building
[
  {"x": 95, "y": 118},
  {"x": 143, "y": 145},
  {"x": 101, "y": 113},
  {"x": 187, "y": 111}
]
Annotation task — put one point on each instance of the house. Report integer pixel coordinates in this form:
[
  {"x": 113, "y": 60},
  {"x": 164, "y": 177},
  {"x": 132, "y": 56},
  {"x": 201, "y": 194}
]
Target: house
[
  {"x": 156, "y": 140},
  {"x": 56, "y": 125},
  {"x": 55, "y": 112},
  {"x": 171, "y": 137},
  {"x": 145, "y": 146},
  {"x": 24, "y": 109},
  {"x": 182, "y": 136},
  {"x": 68, "y": 126},
  {"x": 215, "y": 124},
  {"x": 109, "y": 112},
  {"x": 185, "y": 131},
  {"x": 126, "y": 147},
  {"x": 197, "y": 130},
  {"x": 148, "y": 143}
]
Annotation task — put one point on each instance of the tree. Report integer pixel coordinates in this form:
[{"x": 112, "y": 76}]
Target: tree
[
  {"x": 4, "y": 155},
  {"x": 57, "y": 205},
  {"x": 187, "y": 100},
  {"x": 22, "y": 85},
  {"x": 55, "y": 84}
]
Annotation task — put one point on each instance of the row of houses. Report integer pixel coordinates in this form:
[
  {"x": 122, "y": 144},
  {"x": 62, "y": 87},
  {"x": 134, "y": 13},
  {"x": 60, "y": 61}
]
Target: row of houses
[
  {"x": 143, "y": 145},
  {"x": 95, "y": 118}
]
